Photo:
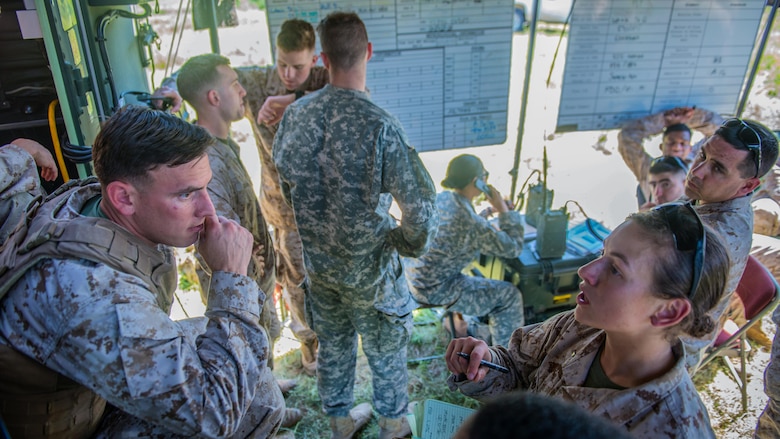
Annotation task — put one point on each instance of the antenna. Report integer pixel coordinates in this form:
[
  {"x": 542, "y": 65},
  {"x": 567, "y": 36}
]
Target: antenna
[
  {"x": 551, "y": 224},
  {"x": 545, "y": 206}
]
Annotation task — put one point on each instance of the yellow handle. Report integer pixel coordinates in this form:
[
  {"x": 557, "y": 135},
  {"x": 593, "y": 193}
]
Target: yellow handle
[{"x": 56, "y": 141}]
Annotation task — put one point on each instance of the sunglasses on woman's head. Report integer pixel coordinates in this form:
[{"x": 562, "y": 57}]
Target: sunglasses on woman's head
[{"x": 683, "y": 239}]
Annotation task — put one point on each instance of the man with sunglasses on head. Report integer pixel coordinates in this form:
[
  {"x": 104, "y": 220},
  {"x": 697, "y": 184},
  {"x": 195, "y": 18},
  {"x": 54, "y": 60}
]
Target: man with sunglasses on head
[
  {"x": 675, "y": 124},
  {"x": 721, "y": 182},
  {"x": 667, "y": 177}
]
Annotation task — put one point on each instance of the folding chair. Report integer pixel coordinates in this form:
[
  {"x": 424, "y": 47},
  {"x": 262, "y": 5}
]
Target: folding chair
[{"x": 760, "y": 293}]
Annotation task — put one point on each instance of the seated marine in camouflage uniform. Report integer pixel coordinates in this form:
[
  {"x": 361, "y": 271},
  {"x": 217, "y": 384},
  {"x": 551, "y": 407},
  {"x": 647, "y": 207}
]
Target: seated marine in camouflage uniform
[{"x": 88, "y": 284}]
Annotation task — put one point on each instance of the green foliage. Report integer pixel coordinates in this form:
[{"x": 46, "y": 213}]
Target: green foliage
[
  {"x": 259, "y": 4},
  {"x": 188, "y": 276},
  {"x": 770, "y": 63}
]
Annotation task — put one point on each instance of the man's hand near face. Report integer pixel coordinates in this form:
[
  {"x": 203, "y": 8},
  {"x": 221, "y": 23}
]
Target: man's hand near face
[
  {"x": 225, "y": 245},
  {"x": 273, "y": 108}
]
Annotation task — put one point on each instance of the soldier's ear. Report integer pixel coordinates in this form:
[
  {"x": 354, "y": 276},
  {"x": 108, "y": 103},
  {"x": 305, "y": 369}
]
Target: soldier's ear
[
  {"x": 122, "y": 196},
  {"x": 671, "y": 312},
  {"x": 212, "y": 97}
]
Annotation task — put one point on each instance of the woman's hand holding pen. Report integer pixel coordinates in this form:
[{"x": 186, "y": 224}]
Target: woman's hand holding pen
[{"x": 477, "y": 350}]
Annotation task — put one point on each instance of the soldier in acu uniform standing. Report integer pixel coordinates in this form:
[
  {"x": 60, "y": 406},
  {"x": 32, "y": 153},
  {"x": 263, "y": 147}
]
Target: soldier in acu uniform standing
[{"x": 341, "y": 161}]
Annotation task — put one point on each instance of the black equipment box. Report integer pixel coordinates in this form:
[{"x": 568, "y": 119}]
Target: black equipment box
[{"x": 549, "y": 286}]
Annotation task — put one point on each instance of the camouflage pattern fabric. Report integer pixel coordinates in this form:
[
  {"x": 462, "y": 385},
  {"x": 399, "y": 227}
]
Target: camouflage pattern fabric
[
  {"x": 766, "y": 249},
  {"x": 733, "y": 221},
  {"x": 19, "y": 184},
  {"x": 634, "y": 133},
  {"x": 105, "y": 330},
  {"x": 766, "y": 204},
  {"x": 768, "y": 426},
  {"x": 554, "y": 357},
  {"x": 770, "y": 184},
  {"x": 232, "y": 193},
  {"x": 341, "y": 161},
  {"x": 436, "y": 277},
  {"x": 766, "y": 216},
  {"x": 260, "y": 83},
  {"x": 291, "y": 274},
  {"x": 338, "y": 315}
]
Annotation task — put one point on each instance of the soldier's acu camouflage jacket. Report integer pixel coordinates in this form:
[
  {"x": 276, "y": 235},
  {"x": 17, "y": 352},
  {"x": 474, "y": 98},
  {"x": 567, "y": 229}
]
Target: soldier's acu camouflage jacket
[
  {"x": 554, "y": 358},
  {"x": 260, "y": 83},
  {"x": 462, "y": 235},
  {"x": 341, "y": 161},
  {"x": 634, "y": 133},
  {"x": 733, "y": 221},
  {"x": 19, "y": 184},
  {"x": 106, "y": 330},
  {"x": 233, "y": 195}
]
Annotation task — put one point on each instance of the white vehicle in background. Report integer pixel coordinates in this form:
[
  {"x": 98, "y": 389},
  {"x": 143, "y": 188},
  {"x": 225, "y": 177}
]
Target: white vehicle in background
[{"x": 552, "y": 11}]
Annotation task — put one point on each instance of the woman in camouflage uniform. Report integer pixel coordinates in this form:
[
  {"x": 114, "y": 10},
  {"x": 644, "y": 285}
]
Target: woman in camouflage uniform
[{"x": 618, "y": 354}]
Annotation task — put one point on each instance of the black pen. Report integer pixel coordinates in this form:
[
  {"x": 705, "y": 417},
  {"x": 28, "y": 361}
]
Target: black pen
[{"x": 487, "y": 364}]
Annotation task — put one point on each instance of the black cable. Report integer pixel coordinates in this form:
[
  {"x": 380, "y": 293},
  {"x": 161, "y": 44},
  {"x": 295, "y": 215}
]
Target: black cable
[
  {"x": 588, "y": 221},
  {"x": 101, "y": 24},
  {"x": 521, "y": 193},
  {"x": 76, "y": 153}
]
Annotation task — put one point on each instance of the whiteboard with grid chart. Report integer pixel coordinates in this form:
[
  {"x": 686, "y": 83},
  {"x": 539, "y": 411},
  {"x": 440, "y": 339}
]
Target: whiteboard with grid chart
[
  {"x": 630, "y": 58},
  {"x": 442, "y": 67}
]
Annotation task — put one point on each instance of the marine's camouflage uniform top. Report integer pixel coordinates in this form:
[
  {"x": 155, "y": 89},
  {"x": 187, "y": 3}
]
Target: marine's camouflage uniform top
[
  {"x": 766, "y": 207},
  {"x": 462, "y": 235},
  {"x": 260, "y": 83},
  {"x": 733, "y": 221},
  {"x": 19, "y": 184},
  {"x": 554, "y": 357},
  {"x": 106, "y": 330},
  {"x": 770, "y": 184},
  {"x": 233, "y": 196},
  {"x": 341, "y": 178},
  {"x": 768, "y": 426},
  {"x": 634, "y": 133}
]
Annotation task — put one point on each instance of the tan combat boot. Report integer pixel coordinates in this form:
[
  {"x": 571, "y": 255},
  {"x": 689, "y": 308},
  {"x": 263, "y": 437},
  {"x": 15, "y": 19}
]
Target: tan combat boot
[
  {"x": 394, "y": 428},
  {"x": 345, "y": 427}
]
